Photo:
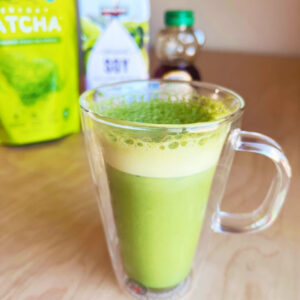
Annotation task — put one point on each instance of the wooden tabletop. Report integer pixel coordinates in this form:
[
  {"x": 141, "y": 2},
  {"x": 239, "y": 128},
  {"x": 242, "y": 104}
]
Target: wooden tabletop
[{"x": 52, "y": 245}]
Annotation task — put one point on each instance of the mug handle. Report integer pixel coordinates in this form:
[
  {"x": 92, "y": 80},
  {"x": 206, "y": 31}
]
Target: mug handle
[{"x": 267, "y": 212}]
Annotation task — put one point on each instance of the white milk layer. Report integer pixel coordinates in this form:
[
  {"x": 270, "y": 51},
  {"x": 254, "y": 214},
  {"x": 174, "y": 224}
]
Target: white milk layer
[{"x": 158, "y": 160}]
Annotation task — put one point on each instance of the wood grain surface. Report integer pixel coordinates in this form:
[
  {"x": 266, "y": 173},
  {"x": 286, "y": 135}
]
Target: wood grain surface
[{"x": 52, "y": 245}]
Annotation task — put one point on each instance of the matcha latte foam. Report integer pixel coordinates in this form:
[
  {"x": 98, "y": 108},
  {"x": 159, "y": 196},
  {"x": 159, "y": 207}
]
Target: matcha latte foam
[{"x": 159, "y": 183}]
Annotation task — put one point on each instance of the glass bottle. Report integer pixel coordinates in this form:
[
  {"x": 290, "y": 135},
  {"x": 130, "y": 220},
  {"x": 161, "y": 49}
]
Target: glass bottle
[{"x": 177, "y": 45}]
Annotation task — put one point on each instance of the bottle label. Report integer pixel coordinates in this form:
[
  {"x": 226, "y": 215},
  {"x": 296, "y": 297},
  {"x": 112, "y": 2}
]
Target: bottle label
[
  {"x": 115, "y": 57},
  {"x": 114, "y": 40},
  {"x": 177, "y": 75}
]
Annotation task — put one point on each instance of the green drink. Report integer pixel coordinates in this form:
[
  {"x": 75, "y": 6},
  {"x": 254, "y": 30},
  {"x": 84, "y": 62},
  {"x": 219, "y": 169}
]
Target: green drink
[
  {"x": 154, "y": 147},
  {"x": 159, "y": 222},
  {"x": 160, "y": 187}
]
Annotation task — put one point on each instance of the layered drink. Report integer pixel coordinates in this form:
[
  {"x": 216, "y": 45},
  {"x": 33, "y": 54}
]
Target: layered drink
[{"x": 159, "y": 181}]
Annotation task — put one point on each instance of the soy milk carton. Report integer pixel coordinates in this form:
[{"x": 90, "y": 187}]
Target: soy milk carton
[{"x": 114, "y": 39}]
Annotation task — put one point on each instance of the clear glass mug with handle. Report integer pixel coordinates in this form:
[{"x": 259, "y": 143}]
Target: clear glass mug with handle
[{"x": 156, "y": 182}]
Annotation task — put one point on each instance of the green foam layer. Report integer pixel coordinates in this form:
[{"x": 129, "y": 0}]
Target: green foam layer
[{"x": 167, "y": 111}]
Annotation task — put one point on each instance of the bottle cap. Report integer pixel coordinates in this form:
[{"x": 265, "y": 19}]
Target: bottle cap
[{"x": 179, "y": 18}]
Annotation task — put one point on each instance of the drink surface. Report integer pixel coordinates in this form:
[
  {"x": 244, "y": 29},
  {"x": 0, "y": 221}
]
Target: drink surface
[
  {"x": 166, "y": 110},
  {"x": 160, "y": 183}
]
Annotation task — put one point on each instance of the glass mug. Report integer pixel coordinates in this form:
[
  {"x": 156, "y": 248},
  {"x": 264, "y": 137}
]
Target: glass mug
[{"x": 156, "y": 181}]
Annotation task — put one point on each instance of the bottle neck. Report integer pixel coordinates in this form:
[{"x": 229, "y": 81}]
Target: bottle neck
[{"x": 180, "y": 28}]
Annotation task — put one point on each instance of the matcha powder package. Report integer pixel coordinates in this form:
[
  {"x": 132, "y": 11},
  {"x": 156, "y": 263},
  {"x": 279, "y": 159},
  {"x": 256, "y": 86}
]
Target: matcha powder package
[{"x": 38, "y": 70}]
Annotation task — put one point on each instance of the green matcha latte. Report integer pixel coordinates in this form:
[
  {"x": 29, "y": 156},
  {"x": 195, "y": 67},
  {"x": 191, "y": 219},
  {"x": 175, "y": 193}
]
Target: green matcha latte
[{"x": 159, "y": 182}]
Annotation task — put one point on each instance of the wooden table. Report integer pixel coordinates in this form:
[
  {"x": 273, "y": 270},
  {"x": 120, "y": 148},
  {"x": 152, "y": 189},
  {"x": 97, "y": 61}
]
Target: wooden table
[{"x": 51, "y": 239}]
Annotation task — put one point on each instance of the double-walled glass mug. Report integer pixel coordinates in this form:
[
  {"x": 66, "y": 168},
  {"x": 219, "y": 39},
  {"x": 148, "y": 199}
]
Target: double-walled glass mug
[{"x": 155, "y": 182}]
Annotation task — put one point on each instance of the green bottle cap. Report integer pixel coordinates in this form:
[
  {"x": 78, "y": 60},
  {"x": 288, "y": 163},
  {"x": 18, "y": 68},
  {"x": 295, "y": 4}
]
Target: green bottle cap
[{"x": 179, "y": 18}]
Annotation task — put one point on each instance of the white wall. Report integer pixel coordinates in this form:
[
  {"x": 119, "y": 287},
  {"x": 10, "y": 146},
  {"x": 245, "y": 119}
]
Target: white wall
[{"x": 262, "y": 26}]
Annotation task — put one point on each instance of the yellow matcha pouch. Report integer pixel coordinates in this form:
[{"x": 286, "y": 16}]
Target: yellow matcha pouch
[{"x": 38, "y": 70}]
